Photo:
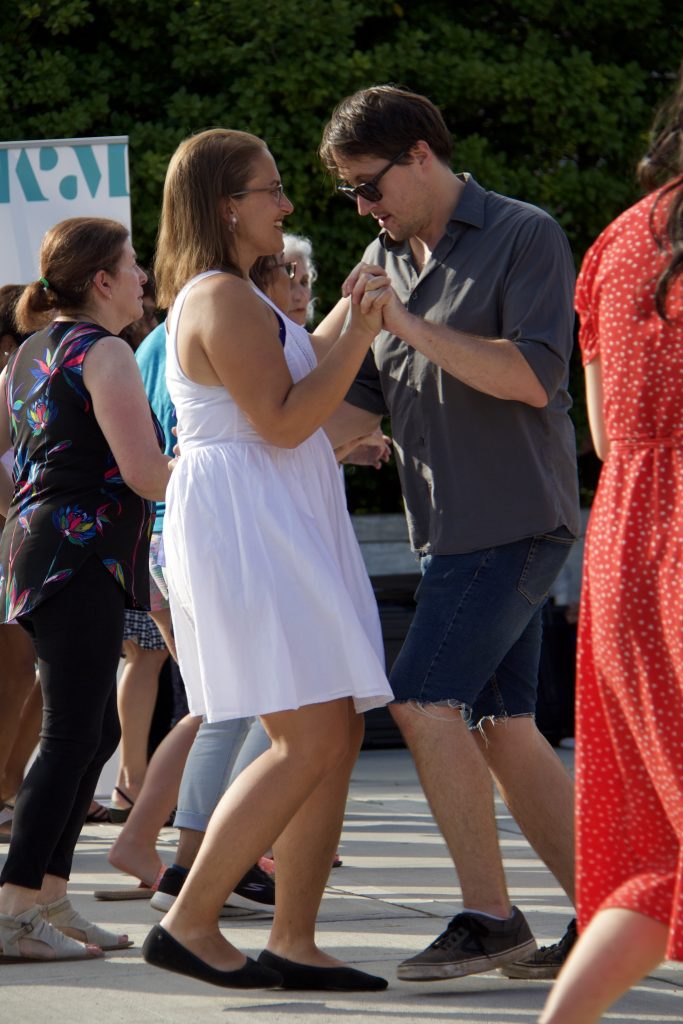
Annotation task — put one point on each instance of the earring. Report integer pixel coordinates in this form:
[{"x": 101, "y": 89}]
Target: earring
[{"x": 233, "y": 222}]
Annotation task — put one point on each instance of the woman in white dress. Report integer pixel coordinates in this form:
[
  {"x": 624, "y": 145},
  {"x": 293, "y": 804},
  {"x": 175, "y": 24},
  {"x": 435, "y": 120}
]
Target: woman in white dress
[{"x": 272, "y": 609}]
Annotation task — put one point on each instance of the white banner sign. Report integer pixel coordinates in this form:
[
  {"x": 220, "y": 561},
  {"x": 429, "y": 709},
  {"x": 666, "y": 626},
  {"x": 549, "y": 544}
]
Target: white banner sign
[{"x": 42, "y": 183}]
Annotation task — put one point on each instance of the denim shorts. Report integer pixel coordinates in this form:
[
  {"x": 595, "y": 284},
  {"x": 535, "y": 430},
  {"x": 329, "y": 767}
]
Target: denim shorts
[{"x": 475, "y": 639}]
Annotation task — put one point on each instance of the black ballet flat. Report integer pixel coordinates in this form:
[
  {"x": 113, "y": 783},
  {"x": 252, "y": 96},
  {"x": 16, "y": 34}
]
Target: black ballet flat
[
  {"x": 321, "y": 979},
  {"x": 161, "y": 950}
]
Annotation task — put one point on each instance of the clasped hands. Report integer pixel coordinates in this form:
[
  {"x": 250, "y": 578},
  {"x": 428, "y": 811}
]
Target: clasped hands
[{"x": 369, "y": 288}]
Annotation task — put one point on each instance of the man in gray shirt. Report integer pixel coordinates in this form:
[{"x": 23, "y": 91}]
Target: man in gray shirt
[{"x": 472, "y": 366}]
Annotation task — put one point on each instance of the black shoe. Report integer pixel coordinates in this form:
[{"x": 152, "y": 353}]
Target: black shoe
[
  {"x": 168, "y": 889},
  {"x": 471, "y": 943},
  {"x": 256, "y": 891},
  {"x": 161, "y": 950},
  {"x": 321, "y": 979},
  {"x": 547, "y": 961}
]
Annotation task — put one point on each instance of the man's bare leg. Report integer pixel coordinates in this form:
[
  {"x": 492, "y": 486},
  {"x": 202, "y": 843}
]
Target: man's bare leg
[
  {"x": 457, "y": 783},
  {"x": 537, "y": 790}
]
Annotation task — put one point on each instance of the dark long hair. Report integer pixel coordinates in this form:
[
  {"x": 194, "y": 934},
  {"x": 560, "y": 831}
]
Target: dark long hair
[{"x": 663, "y": 166}]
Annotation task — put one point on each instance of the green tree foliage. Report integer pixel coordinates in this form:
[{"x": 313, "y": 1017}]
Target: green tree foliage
[{"x": 548, "y": 101}]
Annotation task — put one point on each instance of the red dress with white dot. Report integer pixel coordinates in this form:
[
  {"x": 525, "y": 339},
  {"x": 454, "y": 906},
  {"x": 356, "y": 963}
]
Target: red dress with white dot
[{"x": 630, "y": 660}]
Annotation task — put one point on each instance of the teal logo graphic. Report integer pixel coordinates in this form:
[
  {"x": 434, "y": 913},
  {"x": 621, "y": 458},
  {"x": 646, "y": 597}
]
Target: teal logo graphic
[{"x": 92, "y": 179}]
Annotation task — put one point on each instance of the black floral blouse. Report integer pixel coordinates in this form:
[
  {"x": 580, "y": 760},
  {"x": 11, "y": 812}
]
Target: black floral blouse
[{"x": 70, "y": 500}]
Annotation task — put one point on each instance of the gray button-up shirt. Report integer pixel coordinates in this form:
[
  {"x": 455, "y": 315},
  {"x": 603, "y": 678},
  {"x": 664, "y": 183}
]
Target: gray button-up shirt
[{"x": 478, "y": 471}]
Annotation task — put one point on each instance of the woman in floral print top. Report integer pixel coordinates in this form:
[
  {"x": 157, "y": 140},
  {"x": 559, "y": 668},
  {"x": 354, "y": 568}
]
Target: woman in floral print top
[
  {"x": 88, "y": 467},
  {"x": 70, "y": 499}
]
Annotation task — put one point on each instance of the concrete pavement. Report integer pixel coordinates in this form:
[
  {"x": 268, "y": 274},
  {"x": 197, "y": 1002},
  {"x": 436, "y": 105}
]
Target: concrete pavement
[{"x": 393, "y": 895}]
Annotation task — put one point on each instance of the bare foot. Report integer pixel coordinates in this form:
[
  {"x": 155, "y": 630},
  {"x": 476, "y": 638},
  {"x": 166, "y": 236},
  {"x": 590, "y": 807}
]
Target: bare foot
[{"x": 137, "y": 859}]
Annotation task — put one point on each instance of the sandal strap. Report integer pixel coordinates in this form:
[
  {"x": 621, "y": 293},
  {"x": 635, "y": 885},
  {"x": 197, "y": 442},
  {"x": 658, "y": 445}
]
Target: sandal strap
[
  {"x": 62, "y": 914},
  {"x": 124, "y": 795},
  {"x": 12, "y": 929},
  {"x": 31, "y": 924}
]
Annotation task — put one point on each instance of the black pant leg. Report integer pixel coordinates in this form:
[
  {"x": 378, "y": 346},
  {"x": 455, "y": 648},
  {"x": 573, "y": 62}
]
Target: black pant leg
[{"x": 77, "y": 635}]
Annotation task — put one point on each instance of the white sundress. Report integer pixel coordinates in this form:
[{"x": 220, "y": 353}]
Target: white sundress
[{"x": 271, "y": 603}]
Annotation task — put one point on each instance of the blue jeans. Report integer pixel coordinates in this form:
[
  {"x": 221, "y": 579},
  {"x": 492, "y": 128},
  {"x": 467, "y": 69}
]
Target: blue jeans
[{"x": 475, "y": 640}]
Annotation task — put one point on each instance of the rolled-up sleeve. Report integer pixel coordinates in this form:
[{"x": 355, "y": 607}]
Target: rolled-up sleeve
[
  {"x": 538, "y": 295},
  {"x": 366, "y": 390}
]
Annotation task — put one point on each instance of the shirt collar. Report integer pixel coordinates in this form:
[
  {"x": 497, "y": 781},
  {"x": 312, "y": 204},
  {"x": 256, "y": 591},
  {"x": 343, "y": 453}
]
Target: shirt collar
[{"x": 469, "y": 208}]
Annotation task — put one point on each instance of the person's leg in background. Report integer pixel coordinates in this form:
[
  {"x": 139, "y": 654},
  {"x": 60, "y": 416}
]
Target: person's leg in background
[
  {"x": 134, "y": 851},
  {"x": 219, "y": 754},
  {"x": 145, "y": 653},
  {"x": 162, "y": 620}
]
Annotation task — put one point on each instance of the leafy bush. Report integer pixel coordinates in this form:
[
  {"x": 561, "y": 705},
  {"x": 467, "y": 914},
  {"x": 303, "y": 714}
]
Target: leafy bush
[{"x": 550, "y": 102}]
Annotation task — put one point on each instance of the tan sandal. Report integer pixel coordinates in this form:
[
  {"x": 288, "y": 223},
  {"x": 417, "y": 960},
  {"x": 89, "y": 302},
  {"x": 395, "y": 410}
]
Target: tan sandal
[
  {"x": 62, "y": 915},
  {"x": 32, "y": 925}
]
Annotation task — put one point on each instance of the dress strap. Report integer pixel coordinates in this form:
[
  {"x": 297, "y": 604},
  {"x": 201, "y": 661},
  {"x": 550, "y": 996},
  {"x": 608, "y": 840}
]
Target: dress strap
[
  {"x": 182, "y": 295},
  {"x": 281, "y": 326},
  {"x": 174, "y": 317}
]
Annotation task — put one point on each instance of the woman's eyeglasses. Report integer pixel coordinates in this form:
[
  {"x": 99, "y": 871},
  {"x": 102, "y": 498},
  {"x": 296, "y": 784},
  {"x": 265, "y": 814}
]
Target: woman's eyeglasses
[
  {"x": 368, "y": 189},
  {"x": 276, "y": 191}
]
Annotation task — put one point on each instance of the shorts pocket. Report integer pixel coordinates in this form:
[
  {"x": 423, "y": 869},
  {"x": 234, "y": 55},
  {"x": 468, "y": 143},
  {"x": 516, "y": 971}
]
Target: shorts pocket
[{"x": 547, "y": 554}]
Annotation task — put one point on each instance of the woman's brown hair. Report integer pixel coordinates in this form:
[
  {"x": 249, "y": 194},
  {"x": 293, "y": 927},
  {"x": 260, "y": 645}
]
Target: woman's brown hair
[
  {"x": 71, "y": 253},
  {"x": 663, "y": 165},
  {"x": 193, "y": 237}
]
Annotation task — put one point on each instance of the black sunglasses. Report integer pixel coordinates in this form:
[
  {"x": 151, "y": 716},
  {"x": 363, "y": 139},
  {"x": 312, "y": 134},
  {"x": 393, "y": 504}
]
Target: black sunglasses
[{"x": 368, "y": 189}]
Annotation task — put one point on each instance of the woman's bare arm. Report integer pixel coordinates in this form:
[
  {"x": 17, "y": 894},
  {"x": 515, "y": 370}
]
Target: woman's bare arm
[
  {"x": 238, "y": 333},
  {"x": 122, "y": 411},
  {"x": 595, "y": 401}
]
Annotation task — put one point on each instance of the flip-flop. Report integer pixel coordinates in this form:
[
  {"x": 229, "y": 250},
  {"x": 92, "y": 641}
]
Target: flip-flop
[
  {"x": 119, "y": 815},
  {"x": 140, "y": 892}
]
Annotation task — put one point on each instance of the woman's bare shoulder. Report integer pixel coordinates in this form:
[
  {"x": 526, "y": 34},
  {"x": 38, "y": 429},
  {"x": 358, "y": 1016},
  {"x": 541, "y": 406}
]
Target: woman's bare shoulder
[
  {"x": 221, "y": 287},
  {"x": 224, "y": 301}
]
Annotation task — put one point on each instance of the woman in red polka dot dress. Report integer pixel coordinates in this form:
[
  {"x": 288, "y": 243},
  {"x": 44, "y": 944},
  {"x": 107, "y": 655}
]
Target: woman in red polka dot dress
[{"x": 630, "y": 663}]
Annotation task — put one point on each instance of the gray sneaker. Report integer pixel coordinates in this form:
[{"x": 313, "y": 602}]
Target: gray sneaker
[
  {"x": 547, "y": 961},
  {"x": 471, "y": 944}
]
